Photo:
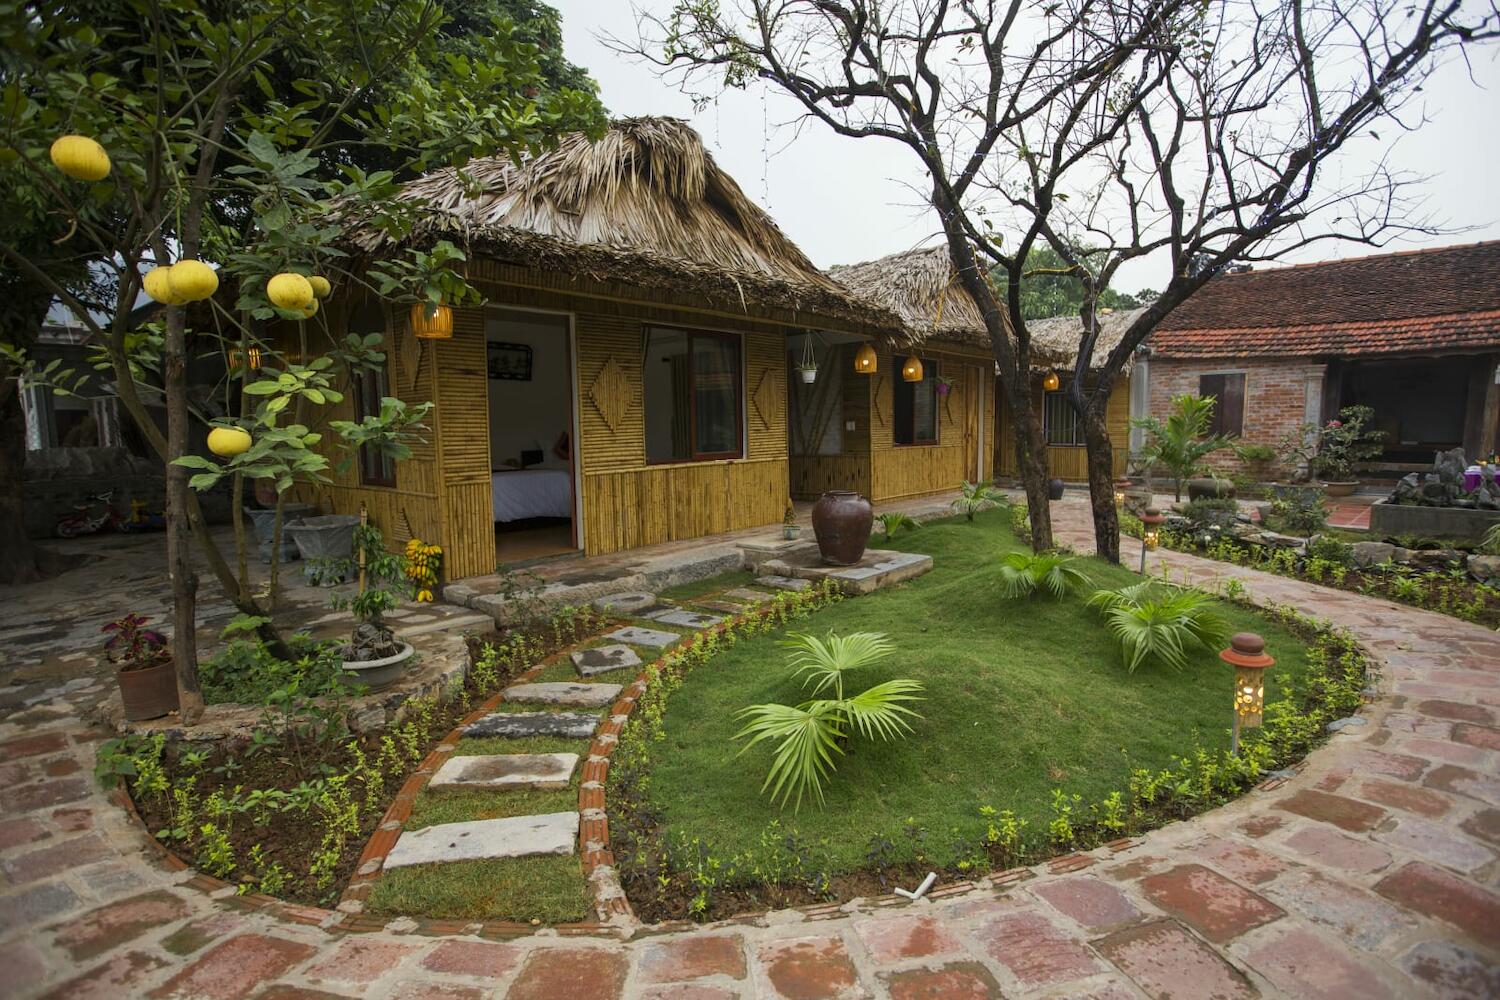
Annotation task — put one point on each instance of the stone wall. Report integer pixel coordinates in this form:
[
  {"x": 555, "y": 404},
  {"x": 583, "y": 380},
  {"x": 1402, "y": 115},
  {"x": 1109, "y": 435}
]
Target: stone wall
[
  {"x": 1279, "y": 395},
  {"x": 58, "y": 479}
]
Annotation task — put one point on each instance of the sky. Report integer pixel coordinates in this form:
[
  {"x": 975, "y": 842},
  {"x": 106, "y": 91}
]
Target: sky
[{"x": 848, "y": 200}]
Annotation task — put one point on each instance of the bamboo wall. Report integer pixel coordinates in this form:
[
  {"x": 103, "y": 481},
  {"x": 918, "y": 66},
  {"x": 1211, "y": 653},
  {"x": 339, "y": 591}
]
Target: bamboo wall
[
  {"x": 1070, "y": 462},
  {"x": 898, "y": 471}
]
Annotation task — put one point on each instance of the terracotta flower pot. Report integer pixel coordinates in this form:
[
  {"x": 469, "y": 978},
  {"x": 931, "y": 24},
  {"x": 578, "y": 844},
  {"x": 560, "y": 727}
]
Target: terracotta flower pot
[
  {"x": 841, "y": 523},
  {"x": 1340, "y": 488},
  {"x": 1055, "y": 489},
  {"x": 148, "y": 693}
]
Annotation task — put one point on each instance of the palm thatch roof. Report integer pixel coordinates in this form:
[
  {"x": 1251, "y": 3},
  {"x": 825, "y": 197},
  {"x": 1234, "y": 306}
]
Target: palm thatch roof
[
  {"x": 919, "y": 286},
  {"x": 645, "y": 204}
]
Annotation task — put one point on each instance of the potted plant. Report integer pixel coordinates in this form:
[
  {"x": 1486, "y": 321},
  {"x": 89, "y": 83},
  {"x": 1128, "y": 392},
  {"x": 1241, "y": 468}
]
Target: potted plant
[
  {"x": 143, "y": 668},
  {"x": 944, "y": 385},
  {"x": 374, "y": 657},
  {"x": 790, "y": 529},
  {"x": 1341, "y": 444},
  {"x": 329, "y": 537}
]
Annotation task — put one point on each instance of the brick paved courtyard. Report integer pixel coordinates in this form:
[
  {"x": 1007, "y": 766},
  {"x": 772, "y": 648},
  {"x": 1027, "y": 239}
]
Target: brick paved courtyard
[{"x": 1372, "y": 873}]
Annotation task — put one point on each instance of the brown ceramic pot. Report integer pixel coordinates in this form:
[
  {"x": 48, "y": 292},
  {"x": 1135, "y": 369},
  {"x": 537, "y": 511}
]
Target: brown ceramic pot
[
  {"x": 149, "y": 693},
  {"x": 841, "y": 522}
]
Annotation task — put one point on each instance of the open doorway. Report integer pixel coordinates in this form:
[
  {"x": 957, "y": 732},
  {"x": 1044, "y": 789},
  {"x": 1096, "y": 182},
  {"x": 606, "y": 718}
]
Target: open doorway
[{"x": 529, "y": 367}]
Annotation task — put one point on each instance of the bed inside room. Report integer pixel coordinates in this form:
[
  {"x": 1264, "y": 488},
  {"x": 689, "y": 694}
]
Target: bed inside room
[{"x": 531, "y": 435}]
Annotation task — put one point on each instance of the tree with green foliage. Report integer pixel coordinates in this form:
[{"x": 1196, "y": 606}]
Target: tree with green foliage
[
  {"x": 1048, "y": 286},
  {"x": 227, "y": 132}
]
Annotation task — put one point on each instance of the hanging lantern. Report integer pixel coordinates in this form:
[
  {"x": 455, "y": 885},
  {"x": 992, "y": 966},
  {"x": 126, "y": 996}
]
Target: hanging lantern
[
  {"x": 911, "y": 370},
  {"x": 1051, "y": 382},
  {"x": 227, "y": 442},
  {"x": 864, "y": 360},
  {"x": 249, "y": 359},
  {"x": 1247, "y": 655},
  {"x": 1151, "y": 521},
  {"x": 431, "y": 322}
]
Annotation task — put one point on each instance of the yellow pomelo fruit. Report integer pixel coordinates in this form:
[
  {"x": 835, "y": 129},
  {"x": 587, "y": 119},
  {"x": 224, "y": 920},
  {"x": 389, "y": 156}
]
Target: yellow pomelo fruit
[
  {"x": 193, "y": 280},
  {"x": 158, "y": 285},
  {"x": 81, "y": 157},
  {"x": 289, "y": 290},
  {"x": 320, "y": 286},
  {"x": 310, "y": 310},
  {"x": 227, "y": 442}
]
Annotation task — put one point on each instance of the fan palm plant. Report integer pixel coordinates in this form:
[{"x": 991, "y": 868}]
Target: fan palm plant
[
  {"x": 1022, "y": 574},
  {"x": 1159, "y": 621},
  {"x": 808, "y": 737},
  {"x": 893, "y": 521},
  {"x": 977, "y": 497}
]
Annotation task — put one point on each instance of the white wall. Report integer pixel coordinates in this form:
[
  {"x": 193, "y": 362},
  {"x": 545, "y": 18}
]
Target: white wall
[{"x": 526, "y": 415}]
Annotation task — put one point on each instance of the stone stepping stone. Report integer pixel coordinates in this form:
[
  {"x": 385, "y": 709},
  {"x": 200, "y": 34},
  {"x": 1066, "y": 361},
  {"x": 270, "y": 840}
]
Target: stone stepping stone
[
  {"x": 728, "y": 607},
  {"x": 686, "y": 619},
  {"x": 509, "y": 770},
  {"x": 627, "y": 603},
  {"x": 783, "y": 582},
  {"x": 637, "y": 636},
  {"x": 512, "y": 837},
  {"x": 603, "y": 659},
  {"x": 748, "y": 595},
  {"x": 574, "y": 725},
  {"x": 564, "y": 693}
]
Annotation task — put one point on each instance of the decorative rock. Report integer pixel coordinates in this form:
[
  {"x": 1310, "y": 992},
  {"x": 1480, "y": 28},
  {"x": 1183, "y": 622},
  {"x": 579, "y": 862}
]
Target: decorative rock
[
  {"x": 1280, "y": 541},
  {"x": 686, "y": 619},
  {"x": 564, "y": 693},
  {"x": 627, "y": 603},
  {"x": 1370, "y": 553},
  {"x": 636, "y": 636},
  {"x": 512, "y": 837},
  {"x": 1339, "y": 725},
  {"x": 1484, "y": 568},
  {"x": 570, "y": 724},
  {"x": 518, "y": 770},
  {"x": 603, "y": 659}
]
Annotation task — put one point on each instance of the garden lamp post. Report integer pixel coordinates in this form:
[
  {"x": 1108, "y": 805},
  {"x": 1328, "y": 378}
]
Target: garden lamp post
[
  {"x": 1247, "y": 655},
  {"x": 1151, "y": 520},
  {"x": 1121, "y": 485}
]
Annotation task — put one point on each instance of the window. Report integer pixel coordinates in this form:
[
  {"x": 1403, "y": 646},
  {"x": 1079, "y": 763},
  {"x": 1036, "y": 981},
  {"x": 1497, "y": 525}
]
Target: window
[
  {"x": 371, "y": 385},
  {"x": 915, "y": 407},
  {"x": 693, "y": 395},
  {"x": 1060, "y": 422},
  {"x": 1228, "y": 390}
]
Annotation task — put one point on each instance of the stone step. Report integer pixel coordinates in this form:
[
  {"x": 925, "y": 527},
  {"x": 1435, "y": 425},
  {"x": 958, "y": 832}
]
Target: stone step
[
  {"x": 574, "y": 725},
  {"x": 747, "y": 595},
  {"x": 509, "y": 770},
  {"x": 512, "y": 837},
  {"x": 727, "y": 607},
  {"x": 636, "y": 636},
  {"x": 783, "y": 582},
  {"x": 603, "y": 659},
  {"x": 684, "y": 618},
  {"x": 564, "y": 693},
  {"x": 629, "y": 603}
]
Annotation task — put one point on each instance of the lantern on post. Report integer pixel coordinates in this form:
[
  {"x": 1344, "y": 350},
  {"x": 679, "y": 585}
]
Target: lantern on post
[
  {"x": 1151, "y": 521},
  {"x": 1051, "y": 382},
  {"x": 1121, "y": 485},
  {"x": 864, "y": 360},
  {"x": 1247, "y": 655}
]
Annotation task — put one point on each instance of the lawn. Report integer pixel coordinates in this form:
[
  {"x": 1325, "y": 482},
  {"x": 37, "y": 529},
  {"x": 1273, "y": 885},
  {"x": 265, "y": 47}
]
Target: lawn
[{"x": 1022, "y": 697}]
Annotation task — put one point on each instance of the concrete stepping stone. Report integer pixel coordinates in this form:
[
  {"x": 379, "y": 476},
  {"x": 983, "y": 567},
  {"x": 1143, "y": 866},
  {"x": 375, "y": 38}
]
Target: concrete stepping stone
[
  {"x": 686, "y": 619},
  {"x": 509, "y": 770},
  {"x": 746, "y": 594},
  {"x": 783, "y": 582},
  {"x": 512, "y": 837},
  {"x": 575, "y": 725},
  {"x": 728, "y": 607},
  {"x": 637, "y": 636},
  {"x": 627, "y": 603},
  {"x": 564, "y": 693},
  {"x": 603, "y": 659}
]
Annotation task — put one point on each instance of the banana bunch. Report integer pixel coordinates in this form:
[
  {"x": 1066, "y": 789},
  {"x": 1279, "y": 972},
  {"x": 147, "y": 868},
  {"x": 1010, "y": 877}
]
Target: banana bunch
[{"x": 422, "y": 563}]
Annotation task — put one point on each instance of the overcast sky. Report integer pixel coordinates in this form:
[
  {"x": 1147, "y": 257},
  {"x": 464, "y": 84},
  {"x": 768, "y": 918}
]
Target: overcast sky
[{"x": 846, "y": 200}]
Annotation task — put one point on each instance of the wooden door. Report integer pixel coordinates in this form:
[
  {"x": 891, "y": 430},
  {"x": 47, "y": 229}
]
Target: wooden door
[{"x": 973, "y": 390}]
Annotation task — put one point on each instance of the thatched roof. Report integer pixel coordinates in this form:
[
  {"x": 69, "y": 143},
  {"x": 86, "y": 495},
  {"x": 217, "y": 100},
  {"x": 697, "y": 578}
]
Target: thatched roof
[
  {"x": 1054, "y": 341},
  {"x": 911, "y": 284},
  {"x": 646, "y": 205}
]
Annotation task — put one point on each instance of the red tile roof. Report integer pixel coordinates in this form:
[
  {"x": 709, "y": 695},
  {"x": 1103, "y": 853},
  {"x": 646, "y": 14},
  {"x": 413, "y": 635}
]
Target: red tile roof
[{"x": 1445, "y": 300}]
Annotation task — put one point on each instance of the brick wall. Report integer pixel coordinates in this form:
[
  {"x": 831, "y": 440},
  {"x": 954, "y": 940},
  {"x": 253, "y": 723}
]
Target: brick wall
[{"x": 1279, "y": 395}]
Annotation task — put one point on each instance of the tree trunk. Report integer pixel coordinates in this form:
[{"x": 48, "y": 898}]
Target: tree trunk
[
  {"x": 1101, "y": 479},
  {"x": 1031, "y": 458},
  {"x": 179, "y": 527}
]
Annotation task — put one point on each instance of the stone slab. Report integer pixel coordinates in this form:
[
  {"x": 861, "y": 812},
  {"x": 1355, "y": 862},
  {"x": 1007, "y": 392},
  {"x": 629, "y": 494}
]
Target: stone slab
[
  {"x": 603, "y": 659},
  {"x": 876, "y": 569},
  {"x": 510, "y": 770},
  {"x": 575, "y": 725},
  {"x": 747, "y": 595},
  {"x": 686, "y": 619},
  {"x": 512, "y": 837},
  {"x": 637, "y": 636},
  {"x": 727, "y": 607},
  {"x": 783, "y": 582},
  {"x": 564, "y": 693},
  {"x": 627, "y": 603}
]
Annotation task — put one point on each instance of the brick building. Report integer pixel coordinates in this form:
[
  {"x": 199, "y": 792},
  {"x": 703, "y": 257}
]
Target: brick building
[{"x": 1415, "y": 336}]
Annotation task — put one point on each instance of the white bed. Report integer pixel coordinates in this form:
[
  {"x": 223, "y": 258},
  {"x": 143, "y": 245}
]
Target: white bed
[{"x": 523, "y": 493}]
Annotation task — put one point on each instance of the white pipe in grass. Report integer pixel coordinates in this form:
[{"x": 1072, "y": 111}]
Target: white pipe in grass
[{"x": 921, "y": 889}]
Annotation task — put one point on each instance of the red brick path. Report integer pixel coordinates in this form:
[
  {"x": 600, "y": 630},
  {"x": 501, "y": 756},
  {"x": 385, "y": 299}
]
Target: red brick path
[{"x": 1372, "y": 873}]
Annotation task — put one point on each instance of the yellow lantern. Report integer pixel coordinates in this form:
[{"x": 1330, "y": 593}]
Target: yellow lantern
[
  {"x": 1247, "y": 655},
  {"x": 911, "y": 369},
  {"x": 158, "y": 284},
  {"x": 227, "y": 442},
  {"x": 431, "y": 322},
  {"x": 1050, "y": 382},
  {"x": 80, "y": 157},
  {"x": 1151, "y": 521},
  {"x": 289, "y": 290},
  {"x": 320, "y": 286},
  {"x": 1121, "y": 485},
  {"x": 192, "y": 280},
  {"x": 250, "y": 359},
  {"x": 865, "y": 360}
]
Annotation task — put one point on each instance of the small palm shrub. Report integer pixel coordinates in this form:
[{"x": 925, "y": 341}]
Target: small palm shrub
[
  {"x": 809, "y": 736},
  {"x": 1023, "y": 574},
  {"x": 1490, "y": 544},
  {"x": 1155, "y": 621},
  {"x": 977, "y": 497},
  {"x": 893, "y": 521}
]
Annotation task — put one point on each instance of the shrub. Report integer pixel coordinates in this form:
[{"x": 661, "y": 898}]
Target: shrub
[
  {"x": 1330, "y": 550},
  {"x": 1159, "y": 621},
  {"x": 977, "y": 497},
  {"x": 1022, "y": 574},
  {"x": 1207, "y": 511},
  {"x": 1300, "y": 510},
  {"x": 893, "y": 521}
]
